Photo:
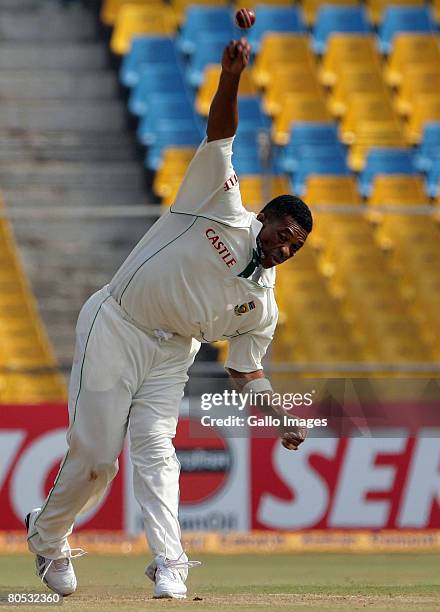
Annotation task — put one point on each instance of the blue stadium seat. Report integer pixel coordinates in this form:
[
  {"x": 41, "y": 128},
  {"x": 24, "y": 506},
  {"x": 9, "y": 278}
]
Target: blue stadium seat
[
  {"x": 144, "y": 51},
  {"x": 247, "y": 162},
  {"x": 209, "y": 51},
  {"x": 186, "y": 135},
  {"x": 385, "y": 161},
  {"x": 207, "y": 19},
  {"x": 348, "y": 19},
  {"x": 307, "y": 134},
  {"x": 163, "y": 114},
  {"x": 250, "y": 113},
  {"x": 324, "y": 160},
  {"x": 167, "y": 81},
  {"x": 398, "y": 19},
  {"x": 433, "y": 179},
  {"x": 429, "y": 146},
  {"x": 275, "y": 19}
]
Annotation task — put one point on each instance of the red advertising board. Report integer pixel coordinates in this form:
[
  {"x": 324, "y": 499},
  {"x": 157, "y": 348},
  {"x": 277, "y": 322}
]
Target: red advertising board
[{"x": 32, "y": 445}]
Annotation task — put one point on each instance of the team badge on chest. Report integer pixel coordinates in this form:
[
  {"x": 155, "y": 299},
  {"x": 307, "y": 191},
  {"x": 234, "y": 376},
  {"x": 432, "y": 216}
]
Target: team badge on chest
[{"x": 244, "y": 308}]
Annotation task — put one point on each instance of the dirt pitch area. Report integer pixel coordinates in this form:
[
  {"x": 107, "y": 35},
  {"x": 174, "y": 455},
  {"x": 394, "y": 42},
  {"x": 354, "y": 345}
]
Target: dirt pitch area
[{"x": 243, "y": 582}]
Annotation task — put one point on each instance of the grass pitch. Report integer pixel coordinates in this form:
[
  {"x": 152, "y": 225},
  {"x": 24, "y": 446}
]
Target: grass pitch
[{"x": 233, "y": 583}]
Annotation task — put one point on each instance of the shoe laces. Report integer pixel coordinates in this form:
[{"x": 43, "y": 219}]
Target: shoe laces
[
  {"x": 59, "y": 565},
  {"x": 172, "y": 566}
]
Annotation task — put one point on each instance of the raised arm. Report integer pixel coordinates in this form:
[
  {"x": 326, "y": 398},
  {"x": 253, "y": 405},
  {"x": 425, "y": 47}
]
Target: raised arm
[{"x": 223, "y": 114}]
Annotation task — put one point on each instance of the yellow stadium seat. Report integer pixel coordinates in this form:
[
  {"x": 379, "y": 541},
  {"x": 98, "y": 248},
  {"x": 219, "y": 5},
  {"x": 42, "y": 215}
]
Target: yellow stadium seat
[
  {"x": 365, "y": 107},
  {"x": 257, "y": 190},
  {"x": 175, "y": 161},
  {"x": 297, "y": 107},
  {"x": 110, "y": 8},
  {"x": 135, "y": 20},
  {"x": 280, "y": 48},
  {"x": 436, "y": 10},
  {"x": 426, "y": 107},
  {"x": 376, "y": 8},
  {"x": 356, "y": 80},
  {"x": 411, "y": 48},
  {"x": 331, "y": 190},
  {"x": 374, "y": 133},
  {"x": 416, "y": 79},
  {"x": 348, "y": 50},
  {"x": 398, "y": 190},
  {"x": 209, "y": 86},
  {"x": 18, "y": 388},
  {"x": 311, "y": 7},
  {"x": 290, "y": 78}
]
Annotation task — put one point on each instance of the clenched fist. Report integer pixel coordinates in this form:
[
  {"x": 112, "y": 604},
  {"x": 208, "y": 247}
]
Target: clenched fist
[{"x": 236, "y": 56}]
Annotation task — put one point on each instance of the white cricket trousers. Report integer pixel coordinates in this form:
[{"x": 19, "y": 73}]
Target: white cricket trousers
[{"x": 122, "y": 377}]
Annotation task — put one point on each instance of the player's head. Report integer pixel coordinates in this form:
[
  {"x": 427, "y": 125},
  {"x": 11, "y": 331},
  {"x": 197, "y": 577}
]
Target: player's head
[{"x": 287, "y": 221}]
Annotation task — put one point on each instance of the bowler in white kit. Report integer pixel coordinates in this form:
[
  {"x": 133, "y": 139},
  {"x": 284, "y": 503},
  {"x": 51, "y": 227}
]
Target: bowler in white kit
[{"x": 205, "y": 271}]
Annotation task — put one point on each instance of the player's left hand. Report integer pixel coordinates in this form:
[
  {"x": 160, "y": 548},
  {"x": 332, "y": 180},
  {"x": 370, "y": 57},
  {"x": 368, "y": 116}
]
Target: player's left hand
[
  {"x": 236, "y": 56},
  {"x": 292, "y": 437}
]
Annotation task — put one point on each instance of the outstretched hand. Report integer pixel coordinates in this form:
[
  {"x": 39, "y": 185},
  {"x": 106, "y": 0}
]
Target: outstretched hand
[{"x": 236, "y": 56}]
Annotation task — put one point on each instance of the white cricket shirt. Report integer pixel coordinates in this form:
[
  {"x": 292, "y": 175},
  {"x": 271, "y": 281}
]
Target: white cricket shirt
[{"x": 184, "y": 274}]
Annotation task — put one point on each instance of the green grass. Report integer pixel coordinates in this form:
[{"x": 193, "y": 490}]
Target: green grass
[{"x": 231, "y": 583}]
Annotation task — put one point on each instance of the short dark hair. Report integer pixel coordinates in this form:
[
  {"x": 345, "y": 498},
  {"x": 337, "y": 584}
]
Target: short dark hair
[{"x": 292, "y": 206}]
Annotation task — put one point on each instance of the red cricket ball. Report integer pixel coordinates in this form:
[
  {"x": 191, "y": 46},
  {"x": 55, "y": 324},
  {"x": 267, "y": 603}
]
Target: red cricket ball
[{"x": 245, "y": 18}]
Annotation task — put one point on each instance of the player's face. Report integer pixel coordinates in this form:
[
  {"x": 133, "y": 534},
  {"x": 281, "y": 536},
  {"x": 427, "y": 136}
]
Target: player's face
[{"x": 280, "y": 239}]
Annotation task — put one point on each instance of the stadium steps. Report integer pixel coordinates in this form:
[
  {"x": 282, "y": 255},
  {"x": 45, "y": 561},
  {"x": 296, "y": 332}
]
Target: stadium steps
[
  {"x": 64, "y": 143},
  {"x": 63, "y": 146}
]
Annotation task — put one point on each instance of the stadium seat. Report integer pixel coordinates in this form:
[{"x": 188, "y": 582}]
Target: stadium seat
[
  {"x": 209, "y": 86},
  {"x": 376, "y": 8},
  {"x": 310, "y": 8},
  {"x": 256, "y": 190},
  {"x": 319, "y": 160},
  {"x": 331, "y": 190},
  {"x": 429, "y": 146},
  {"x": 356, "y": 80},
  {"x": 297, "y": 108},
  {"x": 134, "y": 20},
  {"x": 365, "y": 107},
  {"x": 172, "y": 169},
  {"x": 204, "y": 20},
  {"x": 398, "y": 19},
  {"x": 146, "y": 53},
  {"x": 208, "y": 51},
  {"x": 436, "y": 10},
  {"x": 166, "y": 81},
  {"x": 280, "y": 49},
  {"x": 180, "y": 7},
  {"x": 330, "y": 19},
  {"x": 308, "y": 134},
  {"x": 274, "y": 19},
  {"x": 190, "y": 134},
  {"x": 385, "y": 161},
  {"x": 374, "y": 133},
  {"x": 398, "y": 190},
  {"x": 111, "y": 8},
  {"x": 162, "y": 112},
  {"x": 251, "y": 115},
  {"x": 421, "y": 49},
  {"x": 433, "y": 178},
  {"x": 426, "y": 108},
  {"x": 348, "y": 51},
  {"x": 289, "y": 78},
  {"x": 416, "y": 79},
  {"x": 248, "y": 162},
  {"x": 16, "y": 388}
]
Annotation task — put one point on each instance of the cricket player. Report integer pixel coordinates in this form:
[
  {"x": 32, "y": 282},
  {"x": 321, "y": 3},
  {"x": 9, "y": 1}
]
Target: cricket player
[{"x": 205, "y": 271}]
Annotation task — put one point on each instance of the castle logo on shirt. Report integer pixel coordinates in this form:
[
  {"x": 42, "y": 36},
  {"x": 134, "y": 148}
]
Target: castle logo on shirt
[
  {"x": 231, "y": 182},
  {"x": 223, "y": 251},
  {"x": 244, "y": 308}
]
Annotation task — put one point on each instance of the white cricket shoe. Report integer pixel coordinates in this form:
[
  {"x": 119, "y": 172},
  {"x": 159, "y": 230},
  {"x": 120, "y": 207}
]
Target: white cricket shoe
[
  {"x": 168, "y": 581},
  {"x": 57, "y": 574}
]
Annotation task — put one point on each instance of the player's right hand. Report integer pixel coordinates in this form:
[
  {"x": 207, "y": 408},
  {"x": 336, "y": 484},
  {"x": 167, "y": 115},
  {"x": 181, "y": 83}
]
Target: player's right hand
[
  {"x": 236, "y": 56},
  {"x": 292, "y": 437}
]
